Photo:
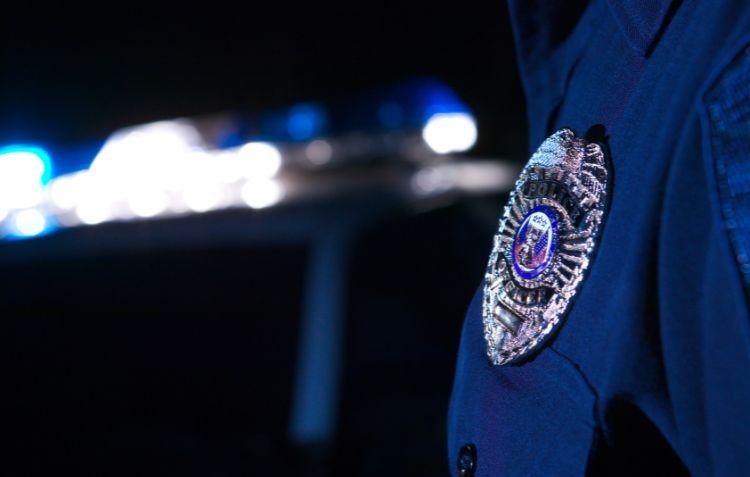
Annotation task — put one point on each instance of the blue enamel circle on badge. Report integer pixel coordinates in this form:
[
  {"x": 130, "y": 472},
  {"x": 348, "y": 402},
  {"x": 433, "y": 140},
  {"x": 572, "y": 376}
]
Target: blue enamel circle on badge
[{"x": 535, "y": 242}]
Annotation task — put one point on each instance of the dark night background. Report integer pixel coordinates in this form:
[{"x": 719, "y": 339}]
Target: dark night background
[{"x": 157, "y": 361}]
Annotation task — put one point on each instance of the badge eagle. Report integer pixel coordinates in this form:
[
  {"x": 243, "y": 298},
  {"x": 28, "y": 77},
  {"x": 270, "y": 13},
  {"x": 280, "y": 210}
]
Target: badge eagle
[{"x": 544, "y": 245}]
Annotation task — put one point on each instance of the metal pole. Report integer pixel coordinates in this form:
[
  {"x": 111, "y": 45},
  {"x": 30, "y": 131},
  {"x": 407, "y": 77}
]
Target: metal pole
[{"x": 320, "y": 347}]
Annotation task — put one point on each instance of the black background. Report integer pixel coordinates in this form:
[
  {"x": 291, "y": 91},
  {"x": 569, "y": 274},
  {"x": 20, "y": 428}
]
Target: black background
[
  {"x": 70, "y": 74},
  {"x": 180, "y": 362}
]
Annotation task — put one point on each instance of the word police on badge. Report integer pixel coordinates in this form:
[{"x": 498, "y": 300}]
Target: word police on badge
[{"x": 544, "y": 245}]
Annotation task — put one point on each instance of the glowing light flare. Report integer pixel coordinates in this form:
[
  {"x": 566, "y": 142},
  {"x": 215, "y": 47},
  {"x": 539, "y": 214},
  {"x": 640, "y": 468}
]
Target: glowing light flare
[
  {"x": 306, "y": 121},
  {"x": 92, "y": 213},
  {"x": 148, "y": 202},
  {"x": 450, "y": 132},
  {"x": 203, "y": 197},
  {"x": 147, "y": 155},
  {"x": 261, "y": 194},
  {"x": 23, "y": 164},
  {"x": 94, "y": 200},
  {"x": 256, "y": 160},
  {"x": 64, "y": 191},
  {"x": 28, "y": 223},
  {"x": 23, "y": 172}
]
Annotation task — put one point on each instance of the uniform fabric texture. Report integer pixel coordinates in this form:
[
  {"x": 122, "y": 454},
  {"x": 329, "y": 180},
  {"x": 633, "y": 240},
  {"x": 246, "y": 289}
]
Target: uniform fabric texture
[
  {"x": 727, "y": 107},
  {"x": 650, "y": 373}
]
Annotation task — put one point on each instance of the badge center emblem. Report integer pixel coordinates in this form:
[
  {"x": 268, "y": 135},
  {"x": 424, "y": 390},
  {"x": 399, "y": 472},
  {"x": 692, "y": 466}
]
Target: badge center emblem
[
  {"x": 544, "y": 245},
  {"x": 535, "y": 241}
]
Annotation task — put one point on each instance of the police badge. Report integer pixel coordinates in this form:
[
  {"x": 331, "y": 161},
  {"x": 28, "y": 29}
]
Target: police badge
[{"x": 544, "y": 244}]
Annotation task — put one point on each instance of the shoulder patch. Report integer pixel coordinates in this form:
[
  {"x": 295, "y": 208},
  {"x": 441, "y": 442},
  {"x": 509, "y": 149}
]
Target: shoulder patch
[
  {"x": 544, "y": 244},
  {"x": 727, "y": 108}
]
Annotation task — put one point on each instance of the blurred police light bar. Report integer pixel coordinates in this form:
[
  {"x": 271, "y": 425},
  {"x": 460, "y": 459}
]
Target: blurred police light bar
[
  {"x": 164, "y": 169},
  {"x": 189, "y": 166},
  {"x": 425, "y": 105}
]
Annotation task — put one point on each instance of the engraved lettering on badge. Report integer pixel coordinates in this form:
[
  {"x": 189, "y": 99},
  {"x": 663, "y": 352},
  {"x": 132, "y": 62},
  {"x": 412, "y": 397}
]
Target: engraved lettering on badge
[{"x": 544, "y": 244}]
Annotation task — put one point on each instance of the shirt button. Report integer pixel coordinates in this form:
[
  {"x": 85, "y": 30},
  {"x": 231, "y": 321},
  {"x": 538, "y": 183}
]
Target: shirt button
[{"x": 467, "y": 460}]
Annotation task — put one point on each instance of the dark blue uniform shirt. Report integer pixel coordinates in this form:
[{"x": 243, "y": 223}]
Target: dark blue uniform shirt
[{"x": 650, "y": 371}]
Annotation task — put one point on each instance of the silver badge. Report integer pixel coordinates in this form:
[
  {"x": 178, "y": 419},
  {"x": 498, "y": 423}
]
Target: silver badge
[{"x": 543, "y": 245}]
